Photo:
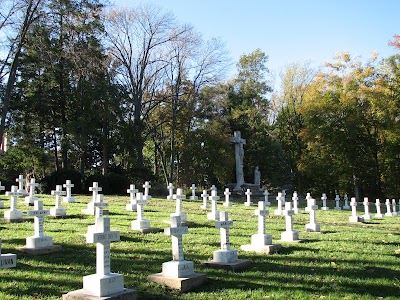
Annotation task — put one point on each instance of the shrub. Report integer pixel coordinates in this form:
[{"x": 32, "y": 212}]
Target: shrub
[{"x": 59, "y": 177}]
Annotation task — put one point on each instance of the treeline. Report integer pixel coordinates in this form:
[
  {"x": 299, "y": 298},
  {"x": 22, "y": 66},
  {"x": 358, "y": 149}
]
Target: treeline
[{"x": 131, "y": 94}]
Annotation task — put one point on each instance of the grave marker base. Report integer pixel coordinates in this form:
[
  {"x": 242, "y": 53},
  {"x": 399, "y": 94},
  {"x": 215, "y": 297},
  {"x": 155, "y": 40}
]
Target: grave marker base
[
  {"x": 213, "y": 216},
  {"x": 205, "y": 207},
  {"x": 278, "y": 212},
  {"x": 379, "y": 216},
  {"x": 39, "y": 251},
  {"x": 248, "y": 203},
  {"x": 227, "y": 204},
  {"x": 69, "y": 199},
  {"x": 183, "y": 224},
  {"x": 389, "y": 215},
  {"x": 240, "y": 264},
  {"x": 150, "y": 230},
  {"x": 14, "y": 215},
  {"x": 8, "y": 261},
  {"x": 58, "y": 212},
  {"x": 193, "y": 198},
  {"x": 346, "y": 207},
  {"x": 170, "y": 197},
  {"x": 178, "y": 269},
  {"x": 355, "y": 219},
  {"x": 140, "y": 224},
  {"x": 290, "y": 236},
  {"x": 103, "y": 285},
  {"x": 313, "y": 227},
  {"x": 127, "y": 294},
  {"x": 266, "y": 249},
  {"x": 324, "y": 208},
  {"x": 337, "y": 208},
  {"x": 131, "y": 207},
  {"x": 183, "y": 284},
  {"x": 30, "y": 200},
  {"x": 367, "y": 217},
  {"x": 90, "y": 210}
]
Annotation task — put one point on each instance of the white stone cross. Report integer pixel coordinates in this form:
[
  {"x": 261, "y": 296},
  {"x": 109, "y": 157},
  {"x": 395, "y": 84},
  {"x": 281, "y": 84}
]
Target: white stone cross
[
  {"x": 266, "y": 200},
  {"x": 146, "y": 187},
  {"x": 205, "y": 199},
  {"x": 95, "y": 189},
  {"x": 279, "y": 211},
  {"x": 213, "y": 188},
  {"x": 170, "y": 188},
  {"x": 227, "y": 193},
  {"x": 394, "y": 212},
  {"x": 68, "y": 187},
  {"x": 337, "y": 199},
  {"x": 32, "y": 186},
  {"x": 354, "y": 217},
  {"x": 346, "y": 202},
  {"x": 179, "y": 197},
  {"x": 295, "y": 200},
  {"x": 214, "y": 214},
  {"x": 7, "y": 260},
  {"x": 38, "y": 213},
  {"x": 313, "y": 225},
  {"x": 388, "y": 209},
  {"x": 289, "y": 235},
  {"x": 224, "y": 224},
  {"x": 176, "y": 231},
  {"x": 193, "y": 197},
  {"x": 239, "y": 155},
  {"x": 308, "y": 198},
  {"x": 378, "y": 209},
  {"x": 13, "y": 213},
  {"x": 261, "y": 212},
  {"x": 131, "y": 206},
  {"x": 140, "y": 223},
  {"x": 283, "y": 197},
  {"x": 324, "y": 198},
  {"x": 58, "y": 210},
  {"x": 248, "y": 198},
  {"x": 21, "y": 188},
  {"x": 367, "y": 215}
]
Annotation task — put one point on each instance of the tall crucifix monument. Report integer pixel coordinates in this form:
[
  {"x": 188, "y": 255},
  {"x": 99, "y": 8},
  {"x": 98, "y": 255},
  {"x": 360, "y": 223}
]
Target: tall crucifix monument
[{"x": 239, "y": 154}]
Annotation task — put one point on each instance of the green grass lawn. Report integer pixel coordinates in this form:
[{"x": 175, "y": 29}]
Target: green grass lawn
[{"x": 346, "y": 261}]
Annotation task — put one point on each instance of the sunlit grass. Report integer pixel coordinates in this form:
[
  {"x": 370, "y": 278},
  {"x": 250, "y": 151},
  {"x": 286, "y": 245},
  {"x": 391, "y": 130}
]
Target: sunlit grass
[{"x": 346, "y": 261}]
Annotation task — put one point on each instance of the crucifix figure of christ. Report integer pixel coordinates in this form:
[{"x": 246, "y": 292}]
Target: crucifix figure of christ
[{"x": 239, "y": 155}]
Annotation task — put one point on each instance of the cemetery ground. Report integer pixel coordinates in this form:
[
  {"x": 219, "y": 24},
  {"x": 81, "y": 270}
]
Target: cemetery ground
[{"x": 345, "y": 261}]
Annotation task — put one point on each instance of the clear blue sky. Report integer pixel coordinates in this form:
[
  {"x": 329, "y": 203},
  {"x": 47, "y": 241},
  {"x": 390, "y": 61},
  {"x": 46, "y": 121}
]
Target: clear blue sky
[{"x": 291, "y": 30}]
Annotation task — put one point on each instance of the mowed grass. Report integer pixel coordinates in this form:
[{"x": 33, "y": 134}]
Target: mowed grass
[{"x": 345, "y": 261}]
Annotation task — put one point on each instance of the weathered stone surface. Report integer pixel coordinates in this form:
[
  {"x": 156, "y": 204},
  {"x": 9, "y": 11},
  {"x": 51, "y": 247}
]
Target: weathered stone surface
[
  {"x": 127, "y": 294},
  {"x": 183, "y": 284}
]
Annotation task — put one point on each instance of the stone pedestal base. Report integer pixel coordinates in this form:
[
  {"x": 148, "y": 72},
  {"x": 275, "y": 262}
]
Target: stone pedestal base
[
  {"x": 290, "y": 236},
  {"x": 103, "y": 285},
  {"x": 278, "y": 212},
  {"x": 131, "y": 207},
  {"x": 337, "y": 208},
  {"x": 388, "y": 214},
  {"x": 378, "y": 216},
  {"x": 227, "y": 204},
  {"x": 8, "y": 261},
  {"x": 324, "y": 208},
  {"x": 260, "y": 240},
  {"x": 296, "y": 211},
  {"x": 205, "y": 206},
  {"x": 265, "y": 249},
  {"x": 183, "y": 284},
  {"x": 346, "y": 207},
  {"x": 150, "y": 230},
  {"x": 313, "y": 227},
  {"x": 193, "y": 198},
  {"x": 177, "y": 269},
  {"x": 240, "y": 264},
  {"x": 13, "y": 216},
  {"x": 39, "y": 251},
  {"x": 248, "y": 203},
  {"x": 225, "y": 256},
  {"x": 367, "y": 217},
  {"x": 90, "y": 210},
  {"x": 30, "y": 200},
  {"x": 58, "y": 212},
  {"x": 355, "y": 219},
  {"x": 80, "y": 295},
  {"x": 214, "y": 216},
  {"x": 140, "y": 224},
  {"x": 68, "y": 199},
  {"x": 170, "y": 197},
  {"x": 35, "y": 242},
  {"x": 182, "y": 215}
]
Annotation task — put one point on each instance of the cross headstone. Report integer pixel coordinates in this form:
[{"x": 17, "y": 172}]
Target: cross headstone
[
  {"x": 324, "y": 198},
  {"x": 354, "y": 218},
  {"x": 193, "y": 197},
  {"x": 95, "y": 189},
  {"x": 394, "y": 212},
  {"x": 266, "y": 199},
  {"x": 146, "y": 195},
  {"x": 58, "y": 211},
  {"x": 178, "y": 267},
  {"x": 289, "y": 235},
  {"x": 313, "y": 226},
  {"x": 29, "y": 200},
  {"x": 103, "y": 283},
  {"x": 295, "y": 200},
  {"x": 21, "y": 190},
  {"x": 239, "y": 155},
  {"x": 248, "y": 198},
  {"x": 140, "y": 223},
  {"x": 179, "y": 197},
  {"x": 279, "y": 211},
  {"x": 227, "y": 193},
  {"x": 170, "y": 188},
  {"x": 346, "y": 202},
  {"x": 337, "y": 201},
  {"x": 214, "y": 214},
  {"x": 213, "y": 188},
  {"x": 2, "y": 188},
  {"x": 225, "y": 254},
  {"x": 378, "y": 209},
  {"x": 68, "y": 188},
  {"x": 204, "y": 195},
  {"x": 7, "y": 260},
  {"x": 131, "y": 206},
  {"x": 39, "y": 240},
  {"x": 283, "y": 197},
  {"x": 308, "y": 198},
  {"x": 13, "y": 215},
  {"x": 388, "y": 209},
  {"x": 261, "y": 238},
  {"x": 367, "y": 215}
]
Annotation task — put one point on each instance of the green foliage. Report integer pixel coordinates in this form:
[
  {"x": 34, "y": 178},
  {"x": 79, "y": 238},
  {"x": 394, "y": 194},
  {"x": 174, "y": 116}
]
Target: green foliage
[{"x": 59, "y": 177}]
